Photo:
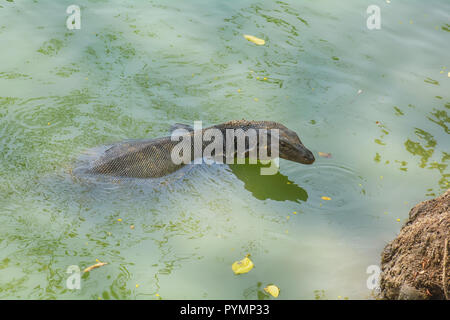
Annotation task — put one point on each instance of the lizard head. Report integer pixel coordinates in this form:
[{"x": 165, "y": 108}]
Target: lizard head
[{"x": 290, "y": 146}]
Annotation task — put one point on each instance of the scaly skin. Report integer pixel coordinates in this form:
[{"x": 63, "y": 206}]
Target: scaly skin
[{"x": 152, "y": 158}]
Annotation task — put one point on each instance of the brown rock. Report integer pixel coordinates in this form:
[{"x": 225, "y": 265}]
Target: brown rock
[{"x": 416, "y": 265}]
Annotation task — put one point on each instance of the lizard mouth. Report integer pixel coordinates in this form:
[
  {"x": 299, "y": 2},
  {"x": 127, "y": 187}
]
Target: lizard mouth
[
  {"x": 307, "y": 157},
  {"x": 300, "y": 154}
]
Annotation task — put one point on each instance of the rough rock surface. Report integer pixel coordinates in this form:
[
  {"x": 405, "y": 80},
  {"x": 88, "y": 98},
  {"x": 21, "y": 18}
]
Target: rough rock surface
[{"x": 416, "y": 265}]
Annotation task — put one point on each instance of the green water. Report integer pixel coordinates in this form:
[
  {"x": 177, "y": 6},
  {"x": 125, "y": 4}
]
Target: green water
[{"x": 136, "y": 67}]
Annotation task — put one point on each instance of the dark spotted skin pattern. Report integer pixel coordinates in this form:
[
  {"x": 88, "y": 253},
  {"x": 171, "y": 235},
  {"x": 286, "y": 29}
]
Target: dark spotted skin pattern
[{"x": 152, "y": 158}]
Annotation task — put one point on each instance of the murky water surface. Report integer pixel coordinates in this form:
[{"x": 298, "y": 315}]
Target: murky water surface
[{"x": 378, "y": 101}]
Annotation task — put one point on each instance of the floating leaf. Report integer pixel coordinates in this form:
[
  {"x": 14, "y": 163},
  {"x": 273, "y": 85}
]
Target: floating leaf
[
  {"x": 431, "y": 81},
  {"x": 254, "y": 39},
  {"x": 326, "y": 198},
  {"x": 273, "y": 290},
  {"x": 243, "y": 266},
  {"x": 97, "y": 265},
  {"x": 325, "y": 154}
]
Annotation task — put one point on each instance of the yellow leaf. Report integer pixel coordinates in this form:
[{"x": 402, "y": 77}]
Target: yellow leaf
[
  {"x": 97, "y": 265},
  {"x": 254, "y": 39},
  {"x": 243, "y": 266},
  {"x": 119, "y": 220},
  {"x": 273, "y": 290},
  {"x": 325, "y": 154},
  {"x": 326, "y": 198}
]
